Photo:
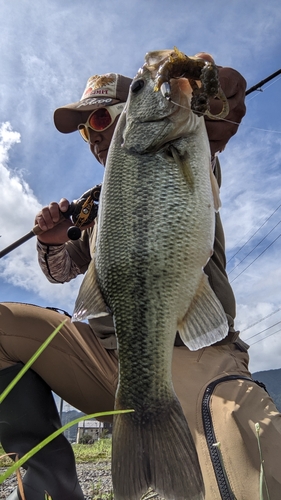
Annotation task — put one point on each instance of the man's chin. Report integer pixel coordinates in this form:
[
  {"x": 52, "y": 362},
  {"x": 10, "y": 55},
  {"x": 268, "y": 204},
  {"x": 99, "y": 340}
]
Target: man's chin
[{"x": 100, "y": 157}]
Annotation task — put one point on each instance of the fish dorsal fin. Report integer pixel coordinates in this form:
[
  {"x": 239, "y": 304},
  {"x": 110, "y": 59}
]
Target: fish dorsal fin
[
  {"x": 90, "y": 302},
  {"x": 215, "y": 190},
  {"x": 205, "y": 322}
]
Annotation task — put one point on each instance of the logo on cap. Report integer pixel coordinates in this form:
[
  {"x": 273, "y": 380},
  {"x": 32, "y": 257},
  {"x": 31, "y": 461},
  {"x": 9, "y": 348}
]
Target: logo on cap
[{"x": 100, "y": 85}]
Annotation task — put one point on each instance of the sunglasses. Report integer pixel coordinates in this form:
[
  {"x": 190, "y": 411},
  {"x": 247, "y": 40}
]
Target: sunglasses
[{"x": 100, "y": 119}]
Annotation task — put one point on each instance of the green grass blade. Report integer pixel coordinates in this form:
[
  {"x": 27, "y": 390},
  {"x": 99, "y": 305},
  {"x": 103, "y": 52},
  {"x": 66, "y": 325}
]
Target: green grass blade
[
  {"x": 30, "y": 362},
  {"x": 262, "y": 475},
  {"x": 52, "y": 436}
]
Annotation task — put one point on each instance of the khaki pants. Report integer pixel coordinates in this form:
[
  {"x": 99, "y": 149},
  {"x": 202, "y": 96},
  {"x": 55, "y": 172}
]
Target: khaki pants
[
  {"x": 84, "y": 374},
  {"x": 235, "y": 406}
]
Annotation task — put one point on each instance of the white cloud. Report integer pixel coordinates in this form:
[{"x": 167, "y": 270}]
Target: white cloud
[
  {"x": 18, "y": 207},
  {"x": 250, "y": 192},
  {"x": 17, "y": 204},
  {"x": 7, "y": 138}
]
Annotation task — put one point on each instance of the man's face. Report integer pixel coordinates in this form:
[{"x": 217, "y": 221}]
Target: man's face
[{"x": 100, "y": 141}]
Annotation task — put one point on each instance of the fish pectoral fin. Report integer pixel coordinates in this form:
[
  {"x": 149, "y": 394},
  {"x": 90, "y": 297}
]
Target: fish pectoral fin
[
  {"x": 155, "y": 451},
  {"x": 215, "y": 190},
  {"x": 183, "y": 165},
  {"x": 205, "y": 322},
  {"x": 90, "y": 302}
]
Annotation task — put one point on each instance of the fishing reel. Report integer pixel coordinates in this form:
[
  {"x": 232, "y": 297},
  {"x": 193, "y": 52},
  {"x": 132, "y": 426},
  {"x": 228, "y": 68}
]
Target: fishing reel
[{"x": 83, "y": 211}]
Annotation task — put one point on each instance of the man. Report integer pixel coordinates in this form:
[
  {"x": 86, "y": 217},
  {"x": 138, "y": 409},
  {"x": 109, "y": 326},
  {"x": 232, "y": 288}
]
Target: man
[{"x": 214, "y": 386}]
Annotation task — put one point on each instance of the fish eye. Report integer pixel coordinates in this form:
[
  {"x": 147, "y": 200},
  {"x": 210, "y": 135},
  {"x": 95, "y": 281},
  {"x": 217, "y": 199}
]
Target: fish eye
[{"x": 137, "y": 86}]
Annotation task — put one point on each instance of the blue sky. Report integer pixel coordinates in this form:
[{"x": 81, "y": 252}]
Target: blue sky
[{"x": 49, "y": 49}]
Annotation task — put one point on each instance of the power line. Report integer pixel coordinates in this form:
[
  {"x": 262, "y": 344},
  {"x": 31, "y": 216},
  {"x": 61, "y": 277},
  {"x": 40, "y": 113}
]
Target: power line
[
  {"x": 256, "y": 258},
  {"x": 266, "y": 220},
  {"x": 262, "y": 331},
  {"x": 265, "y": 337},
  {"x": 254, "y": 247},
  {"x": 260, "y": 320}
]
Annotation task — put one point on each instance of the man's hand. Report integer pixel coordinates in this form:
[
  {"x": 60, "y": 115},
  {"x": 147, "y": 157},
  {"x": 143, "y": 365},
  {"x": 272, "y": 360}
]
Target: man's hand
[{"x": 53, "y": 224}]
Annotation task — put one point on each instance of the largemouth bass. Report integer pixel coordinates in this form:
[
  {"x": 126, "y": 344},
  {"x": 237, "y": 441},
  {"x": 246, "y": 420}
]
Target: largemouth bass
[{"x": 155, "y": 234}]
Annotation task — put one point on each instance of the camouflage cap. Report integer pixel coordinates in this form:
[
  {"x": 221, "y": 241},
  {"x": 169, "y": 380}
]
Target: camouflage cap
[{"x": 100, "y": 91}]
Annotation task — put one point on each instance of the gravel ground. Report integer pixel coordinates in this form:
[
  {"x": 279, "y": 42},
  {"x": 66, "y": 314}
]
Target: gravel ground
[{"x": 95, "y": 481}]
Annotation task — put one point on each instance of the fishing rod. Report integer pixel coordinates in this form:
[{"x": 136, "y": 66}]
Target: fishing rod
[
  {"x": 81, "y": 212},
  {"x": 260, "y": 84}
]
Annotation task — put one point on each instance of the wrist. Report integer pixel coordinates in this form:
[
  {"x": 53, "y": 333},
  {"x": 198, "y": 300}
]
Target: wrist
[{"x": 52, "y": 248}]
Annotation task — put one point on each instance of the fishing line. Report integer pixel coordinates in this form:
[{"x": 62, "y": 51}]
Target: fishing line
[
  {"x": 225, "y": 120},
  {"x": 262, "y": 90}
]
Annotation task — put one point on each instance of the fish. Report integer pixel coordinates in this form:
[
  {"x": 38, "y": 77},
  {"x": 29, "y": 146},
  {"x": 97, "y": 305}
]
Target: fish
[{"x": 155, "y": 234}]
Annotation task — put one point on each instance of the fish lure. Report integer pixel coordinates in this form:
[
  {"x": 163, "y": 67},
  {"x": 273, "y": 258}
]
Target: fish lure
[{"x": 178, "y": 65}]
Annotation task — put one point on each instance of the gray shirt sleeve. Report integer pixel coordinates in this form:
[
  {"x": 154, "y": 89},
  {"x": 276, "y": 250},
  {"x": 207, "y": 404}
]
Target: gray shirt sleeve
[{"x": 62, "y": 263}]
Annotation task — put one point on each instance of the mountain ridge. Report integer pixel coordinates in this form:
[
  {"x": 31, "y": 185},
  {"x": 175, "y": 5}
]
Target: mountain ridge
[{"x": 272, "y": 381}]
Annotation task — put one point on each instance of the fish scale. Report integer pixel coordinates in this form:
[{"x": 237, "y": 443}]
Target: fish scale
[{"x": 155, "y": 235}]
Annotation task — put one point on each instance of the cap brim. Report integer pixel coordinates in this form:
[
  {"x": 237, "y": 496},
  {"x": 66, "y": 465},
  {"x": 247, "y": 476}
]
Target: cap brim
[{"x": 67, "y": 118}]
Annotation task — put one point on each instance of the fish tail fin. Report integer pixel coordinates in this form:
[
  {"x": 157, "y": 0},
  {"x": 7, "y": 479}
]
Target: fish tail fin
[
  {"x": 205, "y": 322},
  {"x": 155, "y": 453}
]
